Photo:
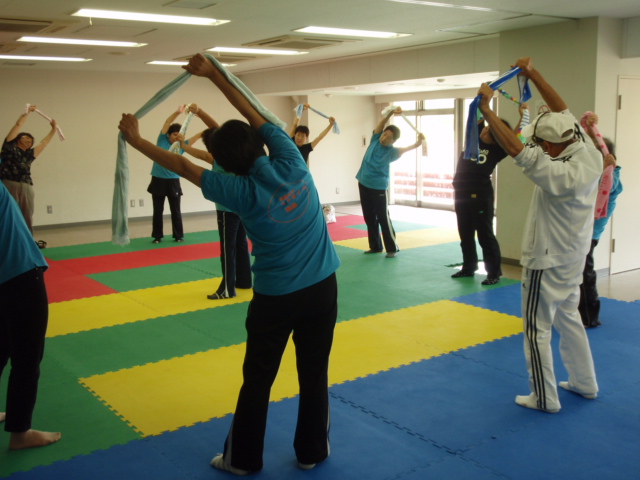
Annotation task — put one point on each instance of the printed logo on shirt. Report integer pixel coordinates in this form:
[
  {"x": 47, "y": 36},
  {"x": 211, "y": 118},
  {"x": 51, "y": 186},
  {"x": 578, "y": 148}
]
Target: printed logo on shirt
[
  {"x": 289, "y": 202},
  {"x": 482, "y": 158},
  {"x": 562, "y": 159}
]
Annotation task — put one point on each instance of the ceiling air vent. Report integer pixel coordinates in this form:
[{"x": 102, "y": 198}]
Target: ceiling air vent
[
  {"x": 15, "y": 25},
  {"x": 223, "y": 57},
  {"x": 300, "y": 42},
  {"x": 8, "y": 47}
]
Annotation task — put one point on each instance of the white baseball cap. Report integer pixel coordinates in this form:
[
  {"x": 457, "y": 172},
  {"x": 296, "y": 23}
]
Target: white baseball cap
[{"x": 552, "y": 127}]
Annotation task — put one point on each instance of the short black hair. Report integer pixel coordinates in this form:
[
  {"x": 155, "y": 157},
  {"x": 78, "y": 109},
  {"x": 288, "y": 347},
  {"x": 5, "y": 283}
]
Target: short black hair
[
  {"x": 235, "y": 146},
  {"x": 394, "y": 130},
  {"x": 610, "y": 145},
  {"x": 303, "y": 129},
  {"x": 23, "y": 134},
  {"x": 206, "y": 136},
  {"x": 174, "y": 127}
]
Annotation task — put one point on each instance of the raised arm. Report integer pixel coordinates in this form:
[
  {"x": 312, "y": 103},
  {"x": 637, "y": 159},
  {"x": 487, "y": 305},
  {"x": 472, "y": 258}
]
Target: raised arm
[
  {"x": 380, "y": 127},
  {"x": 202, "y": 67},
  {"x": 37, "y": 150},
  {"x": 404, "y": 150},
  {"x": 15, "y": 130},
  {"x": 171, "y": 161},
  {"x": 550, "y": 96},
  {"x": 296, "y": 121},
  {"x": 204, "y": 116},
  {"x": 521, "y": 109},
  {"x": 323, "y": 133},
  {"x": 196, "y": 152},
  {"x": 506, "y": 137},
  {"x": 169, "y": 121}
]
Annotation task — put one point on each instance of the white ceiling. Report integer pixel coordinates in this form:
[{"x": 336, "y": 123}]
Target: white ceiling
[{"x": 254, "y": 20}]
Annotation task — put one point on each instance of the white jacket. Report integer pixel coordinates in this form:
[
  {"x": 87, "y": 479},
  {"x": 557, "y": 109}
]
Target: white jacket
[{"x": 560, "y": 220}]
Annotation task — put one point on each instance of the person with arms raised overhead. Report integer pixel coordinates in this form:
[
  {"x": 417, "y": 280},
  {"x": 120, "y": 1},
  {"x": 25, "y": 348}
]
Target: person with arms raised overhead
[
  {"x": 565, "y": 167},
  {"x": 295, "y": 287}
]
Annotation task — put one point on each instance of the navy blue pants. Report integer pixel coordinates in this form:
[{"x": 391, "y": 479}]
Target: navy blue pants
[
  {"x": 475, "y": 215},
  {"x": 589, "y": 306},
  {"x": 176, "y": 217},
  {"x": 310, "y": 314},
  {"x": 234, "y": 255},
  {"x": 23, "y": 324},
  {"x": 375, "y": 210}
]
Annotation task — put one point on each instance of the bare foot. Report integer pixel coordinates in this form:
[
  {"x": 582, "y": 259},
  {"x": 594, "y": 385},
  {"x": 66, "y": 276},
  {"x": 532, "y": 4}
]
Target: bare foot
[
  {"x": 2, "y": 416},
  {"x": 32, "y": 438}
]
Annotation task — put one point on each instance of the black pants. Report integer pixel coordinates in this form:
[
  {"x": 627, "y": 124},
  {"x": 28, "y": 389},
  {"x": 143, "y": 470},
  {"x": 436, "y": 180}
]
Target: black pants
[
  {"x": 234, "y": 254},
  {"x": 589, "y": 306},
  {"x": 176, "y": 217},
  {"x": 375, "y": 210},
  {"x": 475, "y": 215},
  {"x": 311, "y": 314},
  {"x": 23, "y": 324}
]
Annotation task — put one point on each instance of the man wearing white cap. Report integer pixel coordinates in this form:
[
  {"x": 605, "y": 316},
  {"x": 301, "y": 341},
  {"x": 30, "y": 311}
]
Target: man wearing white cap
[{"x": 565, "y": 167}]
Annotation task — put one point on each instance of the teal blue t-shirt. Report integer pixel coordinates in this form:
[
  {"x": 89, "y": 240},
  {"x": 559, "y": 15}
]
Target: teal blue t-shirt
[
  {"x": 19, "y": 251},
  {"x": 157, "y": 170},
  {"x": 281, "y": 211},
  {"x": 374, "y": 171}
]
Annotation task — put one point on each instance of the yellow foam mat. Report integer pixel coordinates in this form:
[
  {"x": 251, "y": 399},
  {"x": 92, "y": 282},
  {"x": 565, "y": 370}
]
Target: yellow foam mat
[
  {"x": 136, "y": 305},
  {"x": 173, "y": 393},
  {"x": 412, "y": 239}
]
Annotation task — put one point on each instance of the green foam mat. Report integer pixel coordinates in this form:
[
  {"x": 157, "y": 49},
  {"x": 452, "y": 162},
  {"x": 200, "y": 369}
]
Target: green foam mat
[
  {"x": 136, "y": 245},
  {"x": 66, "y": 406},
  {"x": 160, "y": 275}
]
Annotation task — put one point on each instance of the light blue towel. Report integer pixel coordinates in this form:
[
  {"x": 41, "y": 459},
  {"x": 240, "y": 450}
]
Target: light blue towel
[
  {"x": 471, "y": 143},
  {"x": 119, "y": 208},
  {"x": 300, "y": 108}
]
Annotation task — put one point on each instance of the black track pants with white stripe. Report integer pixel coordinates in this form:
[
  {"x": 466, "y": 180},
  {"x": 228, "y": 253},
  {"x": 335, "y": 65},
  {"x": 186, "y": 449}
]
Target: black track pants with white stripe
[{"x": 550, "y": 298}]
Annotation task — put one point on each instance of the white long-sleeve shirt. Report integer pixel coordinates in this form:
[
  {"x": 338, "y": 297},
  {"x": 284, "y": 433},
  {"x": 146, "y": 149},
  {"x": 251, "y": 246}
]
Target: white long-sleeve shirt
[{"x": 560, "y": 219}]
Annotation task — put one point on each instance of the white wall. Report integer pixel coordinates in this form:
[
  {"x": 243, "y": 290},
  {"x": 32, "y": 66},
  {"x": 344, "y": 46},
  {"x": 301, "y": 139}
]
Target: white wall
[
  {"x": 337, "y": 158},
  {"x": 609, "y": 49},
  {"x": 76, "y": 176},
  {"x": 456, "y": 58}
]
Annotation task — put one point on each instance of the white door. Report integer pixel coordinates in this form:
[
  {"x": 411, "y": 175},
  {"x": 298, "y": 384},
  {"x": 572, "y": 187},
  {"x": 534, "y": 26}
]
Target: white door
[{"x": 625, "y": 222}]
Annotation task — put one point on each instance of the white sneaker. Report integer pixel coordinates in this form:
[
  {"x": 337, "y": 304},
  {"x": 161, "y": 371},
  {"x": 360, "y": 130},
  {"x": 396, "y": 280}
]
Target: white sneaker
[
  {"x": 566, "y": 386},
  {"x": 529, "y": 401},
  {"x": 219, "y": 463}
]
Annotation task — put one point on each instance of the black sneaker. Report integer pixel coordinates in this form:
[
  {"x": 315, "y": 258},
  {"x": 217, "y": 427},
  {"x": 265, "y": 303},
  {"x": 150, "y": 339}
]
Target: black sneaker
[
  {"x": 463, "y": 273},
  {"x": 491, "y": 280},
  {"x": 373, "y": 251}
]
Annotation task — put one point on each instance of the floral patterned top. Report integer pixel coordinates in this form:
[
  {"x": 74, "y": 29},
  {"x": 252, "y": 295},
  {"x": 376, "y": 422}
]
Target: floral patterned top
[{"x": 16, "y": 163}]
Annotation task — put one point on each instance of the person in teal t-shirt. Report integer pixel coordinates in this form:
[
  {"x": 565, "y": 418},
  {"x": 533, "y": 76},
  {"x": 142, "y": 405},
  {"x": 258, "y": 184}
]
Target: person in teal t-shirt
[
  {"x": 24, "y": 314},
  {"x": 235, "y": 260},
  {"x": 165, "y": 183},
  {"x": 373, "y": 182},
  {"x": 295, "y": 287}
]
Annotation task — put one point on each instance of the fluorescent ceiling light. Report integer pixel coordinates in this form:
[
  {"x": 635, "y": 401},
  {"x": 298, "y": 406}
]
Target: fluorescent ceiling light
[
  {"x": 49, "y": 59},
  {"x": 147, "y": 17},
  {"x": 447, "y": 5},
  {"x": 162, "y": 62},
  {"x": 257, "y": 51},
  {"x": 350, "y": 33},
  {"x": 73, "y": 41}
]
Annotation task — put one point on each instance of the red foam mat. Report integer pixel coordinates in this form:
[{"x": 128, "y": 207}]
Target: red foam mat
[
  {"x": 64, "y": 284},
  {"x": 341, "y": 231},
  {"x": 144, "y": 258}
]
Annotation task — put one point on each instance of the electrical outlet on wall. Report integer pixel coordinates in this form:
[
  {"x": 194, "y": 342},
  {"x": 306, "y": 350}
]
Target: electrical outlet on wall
[
  {"x": 141, "y": 202},
  {"x": 49, "y": 208},
  {"x": 132, "y": 203}
]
